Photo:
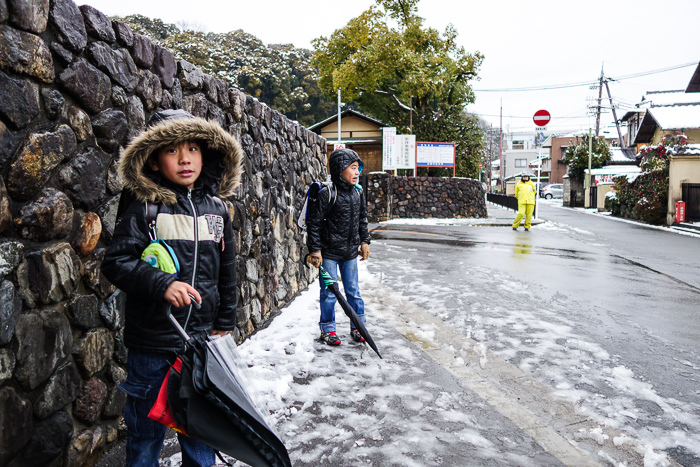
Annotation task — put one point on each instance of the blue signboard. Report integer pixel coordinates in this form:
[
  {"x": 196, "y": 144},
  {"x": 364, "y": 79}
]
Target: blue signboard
[{"x": 435, "y": 154}]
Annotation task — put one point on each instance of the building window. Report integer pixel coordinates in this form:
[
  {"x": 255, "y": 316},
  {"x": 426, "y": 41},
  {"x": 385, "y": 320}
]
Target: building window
[
  {"x": 518, "y": 144},
  {"x": 520, "y": 163}
]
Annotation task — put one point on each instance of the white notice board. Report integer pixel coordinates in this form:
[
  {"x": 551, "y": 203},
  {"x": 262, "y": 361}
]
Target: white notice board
[
  {"x": 405, "y": 151},
  {"x": 388, "y": 148}
]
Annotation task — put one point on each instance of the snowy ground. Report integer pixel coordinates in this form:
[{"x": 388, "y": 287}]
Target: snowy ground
[{"x": 346, "y": 407}]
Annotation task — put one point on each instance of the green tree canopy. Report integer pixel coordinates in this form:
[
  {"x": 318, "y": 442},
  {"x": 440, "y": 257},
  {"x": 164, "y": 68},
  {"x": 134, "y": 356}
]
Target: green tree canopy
[
  {"x": 396, "y": 69},
  {"x": 576, "y": 157}
]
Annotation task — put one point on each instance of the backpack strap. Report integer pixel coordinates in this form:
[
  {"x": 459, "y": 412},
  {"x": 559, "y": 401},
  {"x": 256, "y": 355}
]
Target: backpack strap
[
  {"x": 151, "y": 216},
  {"x": 332, "y": 193}
]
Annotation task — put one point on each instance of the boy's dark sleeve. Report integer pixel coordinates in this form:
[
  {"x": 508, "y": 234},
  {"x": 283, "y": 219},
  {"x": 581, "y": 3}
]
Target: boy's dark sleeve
[
  {"x": 317, "y": 206},
  {"x": 122, "y": 263},
  {"x": 226, "y": 316},
  {"x": 364, "y": 231}
]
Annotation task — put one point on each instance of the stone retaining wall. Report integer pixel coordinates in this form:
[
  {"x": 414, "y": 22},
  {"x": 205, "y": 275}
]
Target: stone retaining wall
[
  {"x": 75, "y": 87},
  {"x": 390, "y": 197}
]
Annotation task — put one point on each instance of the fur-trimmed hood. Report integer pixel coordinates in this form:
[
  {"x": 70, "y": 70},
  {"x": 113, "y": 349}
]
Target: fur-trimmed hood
[{"x": 222, "y": 158}]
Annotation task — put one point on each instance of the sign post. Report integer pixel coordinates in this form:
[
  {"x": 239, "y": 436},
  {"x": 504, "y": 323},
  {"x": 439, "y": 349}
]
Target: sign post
[{"x": 541, "y": 118}]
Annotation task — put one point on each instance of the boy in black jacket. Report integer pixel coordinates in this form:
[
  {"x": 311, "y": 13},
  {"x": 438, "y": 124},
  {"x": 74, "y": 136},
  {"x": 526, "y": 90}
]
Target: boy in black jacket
[
  {"x": 336, "y": 230},
  {"x": 179, "y": 163}
]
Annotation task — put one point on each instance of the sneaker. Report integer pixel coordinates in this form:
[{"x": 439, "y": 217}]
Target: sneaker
[
  {"x": 515, "y": 228},
  {"x": 527, "y": 230},
  {"x": 356, "y": 336},
  {"x": 330, "y": 338}
]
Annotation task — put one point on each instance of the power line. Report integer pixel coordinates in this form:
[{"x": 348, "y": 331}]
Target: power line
[
  {"x": 588, "y": 83},
  {"x": 517, "y": 116}
]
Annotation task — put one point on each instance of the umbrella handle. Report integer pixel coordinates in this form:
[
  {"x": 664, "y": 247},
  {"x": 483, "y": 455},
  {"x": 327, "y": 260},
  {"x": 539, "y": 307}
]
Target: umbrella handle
[{"x": 176, "y": 324}]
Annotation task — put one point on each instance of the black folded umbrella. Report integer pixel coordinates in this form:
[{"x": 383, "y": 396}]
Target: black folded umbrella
[
  {"x": 208, "y": 400},
  {"x": 333, "y": 287}
]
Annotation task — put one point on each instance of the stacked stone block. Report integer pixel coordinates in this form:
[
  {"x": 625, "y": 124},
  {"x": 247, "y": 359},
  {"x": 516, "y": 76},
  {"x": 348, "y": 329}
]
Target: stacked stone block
[
  {"x": 75, "y": 87},
  {"x": 390, "y": 197}
]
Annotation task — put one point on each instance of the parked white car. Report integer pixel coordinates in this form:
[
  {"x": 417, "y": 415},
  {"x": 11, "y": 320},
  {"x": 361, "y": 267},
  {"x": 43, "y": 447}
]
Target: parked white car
[{"x": 553, "y": 190}]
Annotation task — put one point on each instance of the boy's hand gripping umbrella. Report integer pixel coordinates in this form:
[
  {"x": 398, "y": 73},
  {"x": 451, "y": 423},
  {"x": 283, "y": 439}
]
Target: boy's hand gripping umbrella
[{"x": 333, "y": 287}]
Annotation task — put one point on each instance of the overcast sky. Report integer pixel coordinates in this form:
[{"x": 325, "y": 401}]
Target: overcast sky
[{"x": 526, "y": 44}]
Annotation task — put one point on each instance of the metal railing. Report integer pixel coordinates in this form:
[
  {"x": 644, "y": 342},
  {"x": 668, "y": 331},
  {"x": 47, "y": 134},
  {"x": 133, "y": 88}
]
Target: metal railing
[{"x": 507, "y": 201}]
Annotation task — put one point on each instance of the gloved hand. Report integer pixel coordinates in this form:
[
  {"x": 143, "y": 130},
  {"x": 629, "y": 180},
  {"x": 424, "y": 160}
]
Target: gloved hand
[
  {"x": 315, "y": 259},
  {"x": 364, "y": 251}
]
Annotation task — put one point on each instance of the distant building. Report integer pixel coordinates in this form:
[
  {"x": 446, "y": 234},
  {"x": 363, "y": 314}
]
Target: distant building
[{"x": 519, "y": 148}]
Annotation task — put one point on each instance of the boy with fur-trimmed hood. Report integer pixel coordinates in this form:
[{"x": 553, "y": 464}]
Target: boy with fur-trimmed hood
[{"x": 183, "y": 165}]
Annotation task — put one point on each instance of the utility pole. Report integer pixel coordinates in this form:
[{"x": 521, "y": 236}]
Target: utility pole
[
  {"x": 500, "y": 150},
  {"x": 612, "y": 106},
  {"x": 338, "y": 115},
  {"x": 600, "y": 97},
  {"x": 587, "y": 182}
]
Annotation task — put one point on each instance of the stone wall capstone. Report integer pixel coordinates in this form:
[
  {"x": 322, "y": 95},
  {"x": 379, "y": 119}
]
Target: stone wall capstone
[{"x": 75, "y": 88}]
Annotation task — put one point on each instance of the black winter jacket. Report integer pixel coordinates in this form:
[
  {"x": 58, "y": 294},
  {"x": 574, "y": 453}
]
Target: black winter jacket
[
  {"x": 195, "y": 224},
  {"x": 337, "y": 220}
]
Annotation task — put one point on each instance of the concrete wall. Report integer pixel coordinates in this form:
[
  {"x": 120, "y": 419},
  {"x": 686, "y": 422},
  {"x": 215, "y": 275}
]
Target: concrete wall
[
  {"x": 601, "y": 190},
  {"x": 683, "y": 168},
  {"x": 75, "y": 87}
]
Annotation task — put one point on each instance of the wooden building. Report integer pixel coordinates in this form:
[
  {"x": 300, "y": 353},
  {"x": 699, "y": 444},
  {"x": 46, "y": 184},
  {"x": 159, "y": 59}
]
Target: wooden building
[{"x": 359, "y": 132}]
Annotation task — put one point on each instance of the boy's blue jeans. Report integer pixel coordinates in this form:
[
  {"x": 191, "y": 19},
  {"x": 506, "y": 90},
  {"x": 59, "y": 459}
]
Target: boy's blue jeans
[
  {"x": 144, "y": 438},
  {"x": 348, "y": 273}
]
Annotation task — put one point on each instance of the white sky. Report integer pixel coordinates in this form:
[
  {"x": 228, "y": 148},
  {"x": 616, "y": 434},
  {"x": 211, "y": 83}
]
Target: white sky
[{"x": 526, "y": 44}]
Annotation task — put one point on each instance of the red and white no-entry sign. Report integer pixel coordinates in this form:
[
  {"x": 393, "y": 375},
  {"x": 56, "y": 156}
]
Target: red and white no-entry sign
[{"x": 541, "y": 117}]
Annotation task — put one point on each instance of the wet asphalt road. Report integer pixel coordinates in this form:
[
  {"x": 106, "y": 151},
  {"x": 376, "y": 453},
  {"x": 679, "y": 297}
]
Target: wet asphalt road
[{"x": 625, "y": 294}]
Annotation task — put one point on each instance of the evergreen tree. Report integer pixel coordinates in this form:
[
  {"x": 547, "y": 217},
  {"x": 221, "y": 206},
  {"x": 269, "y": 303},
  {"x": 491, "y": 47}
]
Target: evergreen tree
[
  {"x": 279, "y": 75},
  {"x": 576, "y": 157},
  {"x": 406, "y": 72}
]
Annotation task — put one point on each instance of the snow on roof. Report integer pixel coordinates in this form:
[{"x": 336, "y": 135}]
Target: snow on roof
[
  {"x": 677, "y": 117},
  {"x": 690, "y": 149},
  {"x": 619, "y": 154},
  {"x": 653, "y": 99}
]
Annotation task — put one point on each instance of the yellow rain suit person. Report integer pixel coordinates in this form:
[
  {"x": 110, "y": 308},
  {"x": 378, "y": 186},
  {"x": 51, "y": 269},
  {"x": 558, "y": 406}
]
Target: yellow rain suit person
[{"x": 526, "y": 192}]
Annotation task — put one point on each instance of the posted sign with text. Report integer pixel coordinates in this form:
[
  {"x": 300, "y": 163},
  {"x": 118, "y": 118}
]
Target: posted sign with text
[
  {"x": 405, "y": 151},
  {"x": 399, "y": 151},
  {"x": 435, "y": 154},
  {"x": 388, "y": 145}
]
